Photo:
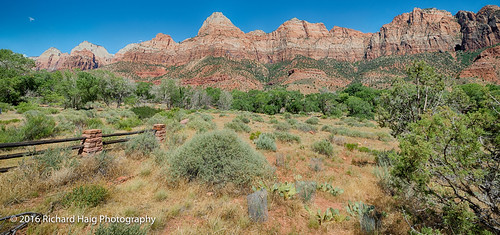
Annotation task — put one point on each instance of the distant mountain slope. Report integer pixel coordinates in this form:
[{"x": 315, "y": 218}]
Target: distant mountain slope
[{"x": 223, "y": 55}]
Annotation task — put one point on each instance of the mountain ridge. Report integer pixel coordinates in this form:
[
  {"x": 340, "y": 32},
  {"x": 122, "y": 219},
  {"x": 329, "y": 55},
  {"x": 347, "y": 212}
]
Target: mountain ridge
[{"x": 419, "y": 31}]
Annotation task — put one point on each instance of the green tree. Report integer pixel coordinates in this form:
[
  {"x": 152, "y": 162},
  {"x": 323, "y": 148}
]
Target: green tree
[
  {"x": 225, "y": 100},
  {"x": 144, "y": 90},
  {"x": 451, "y": 160},
  {"x": 13, "y": 67},
  {"x": 406, "y": 101},
  {"x": 89, "y": 87},
  {"x": 169, "y": 93},
  {"x": 115, "y": 89},
  {"x": 359, "y": 108}
]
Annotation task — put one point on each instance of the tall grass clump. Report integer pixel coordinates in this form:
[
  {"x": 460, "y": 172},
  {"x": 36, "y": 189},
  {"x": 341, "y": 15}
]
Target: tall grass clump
[
  {"x": 142, "y": 145},
  {"x": 38, "y": 125},
  {"x": 238, "y": 126},
  {"x": 266, "y": 142},
  {"x": 10, "y": 134},
  {"x": 323, "y": 147},
  {"x": 86, "y": 196},
  {"x": 121, "y": 229},
  {"x": 218, "y": 157}
]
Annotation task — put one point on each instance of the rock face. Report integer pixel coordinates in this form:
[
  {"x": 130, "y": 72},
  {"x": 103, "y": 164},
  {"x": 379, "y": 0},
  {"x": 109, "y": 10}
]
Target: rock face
[
  {"x": 419, "y": 31},
  {"x": 481, "y": 29},
  {"x": 486, "y": 66},
  {"x": 84, "y": 56}
]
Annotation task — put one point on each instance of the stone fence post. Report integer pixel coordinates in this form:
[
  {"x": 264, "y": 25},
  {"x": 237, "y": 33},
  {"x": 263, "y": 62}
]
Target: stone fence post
[
  {"x": 93, "y": 142},
  {"x": 160, "y": 132}
]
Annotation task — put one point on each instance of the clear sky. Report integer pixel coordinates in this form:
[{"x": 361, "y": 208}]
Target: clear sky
[{"x": 32, "y": 26}]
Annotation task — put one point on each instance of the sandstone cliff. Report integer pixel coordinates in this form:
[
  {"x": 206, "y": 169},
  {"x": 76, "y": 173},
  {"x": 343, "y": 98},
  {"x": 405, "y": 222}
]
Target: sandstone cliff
[
  {"x": 481, "y": 29},
  {"x": 413, "y": 33},
  {"x": 84, "y": 56},
  {"x": 486, "y": 66}
]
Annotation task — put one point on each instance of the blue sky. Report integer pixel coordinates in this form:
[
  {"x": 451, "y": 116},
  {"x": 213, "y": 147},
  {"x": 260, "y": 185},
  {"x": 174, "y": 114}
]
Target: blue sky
[{"x": 114, "y": 24}]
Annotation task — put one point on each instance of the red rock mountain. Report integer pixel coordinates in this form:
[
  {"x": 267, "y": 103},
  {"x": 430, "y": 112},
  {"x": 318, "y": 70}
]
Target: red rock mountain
[
  {"x": 419, "y": 31},
  {"x": 486, "y": 66},
  {"x": 84, "y": 56}
]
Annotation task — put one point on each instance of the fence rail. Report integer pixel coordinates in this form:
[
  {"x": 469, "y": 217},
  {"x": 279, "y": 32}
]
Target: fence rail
[{"x": 79, "y": 147}]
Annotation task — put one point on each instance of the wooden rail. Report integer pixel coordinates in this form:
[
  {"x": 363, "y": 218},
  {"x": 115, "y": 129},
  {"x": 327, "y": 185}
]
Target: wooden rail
[{"x": 40, "y": 142}]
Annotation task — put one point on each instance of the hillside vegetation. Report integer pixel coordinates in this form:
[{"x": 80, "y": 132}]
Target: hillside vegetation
[{"x": 418, "y": 157}]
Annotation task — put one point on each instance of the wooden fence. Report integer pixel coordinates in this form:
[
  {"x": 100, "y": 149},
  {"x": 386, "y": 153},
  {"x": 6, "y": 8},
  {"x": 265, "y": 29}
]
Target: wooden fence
[{"x": 91, "y": 142}]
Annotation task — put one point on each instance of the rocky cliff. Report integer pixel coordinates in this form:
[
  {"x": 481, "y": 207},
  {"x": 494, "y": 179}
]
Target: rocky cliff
[
  {"x": 84, "y": 56},
  {"x": 481, "y": 29},
  {"x": 486, "y": 66},
  {"x": 416, "y": 32}
]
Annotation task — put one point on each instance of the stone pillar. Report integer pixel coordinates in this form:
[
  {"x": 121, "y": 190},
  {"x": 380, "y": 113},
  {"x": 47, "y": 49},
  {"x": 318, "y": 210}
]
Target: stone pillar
[
  {"x": 93, "y": 142},
  {"x": 160, "y": 132}
]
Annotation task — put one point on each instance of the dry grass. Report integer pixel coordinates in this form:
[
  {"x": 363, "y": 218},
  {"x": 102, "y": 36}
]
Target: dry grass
[{"x": 140, "y": 187}]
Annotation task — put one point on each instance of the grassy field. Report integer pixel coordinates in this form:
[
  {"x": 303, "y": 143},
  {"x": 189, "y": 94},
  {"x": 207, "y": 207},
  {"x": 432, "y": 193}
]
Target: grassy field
[{"x": 140, "y": 185}]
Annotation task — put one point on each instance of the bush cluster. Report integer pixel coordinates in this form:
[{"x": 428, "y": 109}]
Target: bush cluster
[
  {"x": 266, "y": 142},
  {"x": 323, "y": 147},
  {"x": 218, "y": 157}
]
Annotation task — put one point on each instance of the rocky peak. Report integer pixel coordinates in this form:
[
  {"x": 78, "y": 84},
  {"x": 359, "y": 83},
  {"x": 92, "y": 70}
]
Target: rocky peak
[
  {"x": 302, "y": 29},
  {"x": 98, "y": 51},
  {"x": 51, "y": 51},
  {"x": 161, "y": 41},
  {"x": 481, "y": 29},
  {"x": 217, "y": 23}
]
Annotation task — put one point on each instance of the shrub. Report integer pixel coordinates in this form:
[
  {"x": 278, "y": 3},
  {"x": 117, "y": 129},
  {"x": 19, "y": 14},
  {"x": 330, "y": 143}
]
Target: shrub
[
  {"x": 356, "y": 123},
  {"x": 38, "y": 125},
  {"x": 238, "y": 126},
  {"x": 7, "y": 122},
  {"x": 5, "y": 107},
  {"x": 306, "y": 127},
  {"x": 157, "y": 119},
  {"x": 243, "y": 118},
  {"x": 323, "y": 147},
  {"x": 120, "y": 229},
  {"x": 218, "y": 157},
  {"x": 273, "y": 120},
  {"x": 128, "y": 123},
  {"x": 10, "y": 134},
  {"x": 201, "y": 123},
  {"x": 257, "y": 118},
  {"x": 338, "y": 140},
  {"x": 282, "y": 126},
  {"x": 25, "y": 107},
  {"x": 142, "y": 144},
  {"x": 266, "y": 142},
  {"x": 312, "y": 121},
  {"x": 86, "y": 196},
  {"x": 144, "y": 111},
  {"x": 351, "y": 146},
  {"x": 292, "y": 121},
  {"x": 176, "y": 139},
  {"x": 255, "y": 135},
  {"x": 286, "y": 137},
  {"x": 305, "y": 190},
  {"x": 349, "y": 132},
  {"x": 50, "y": 160},
  {"x": 94, "y": 123}
]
